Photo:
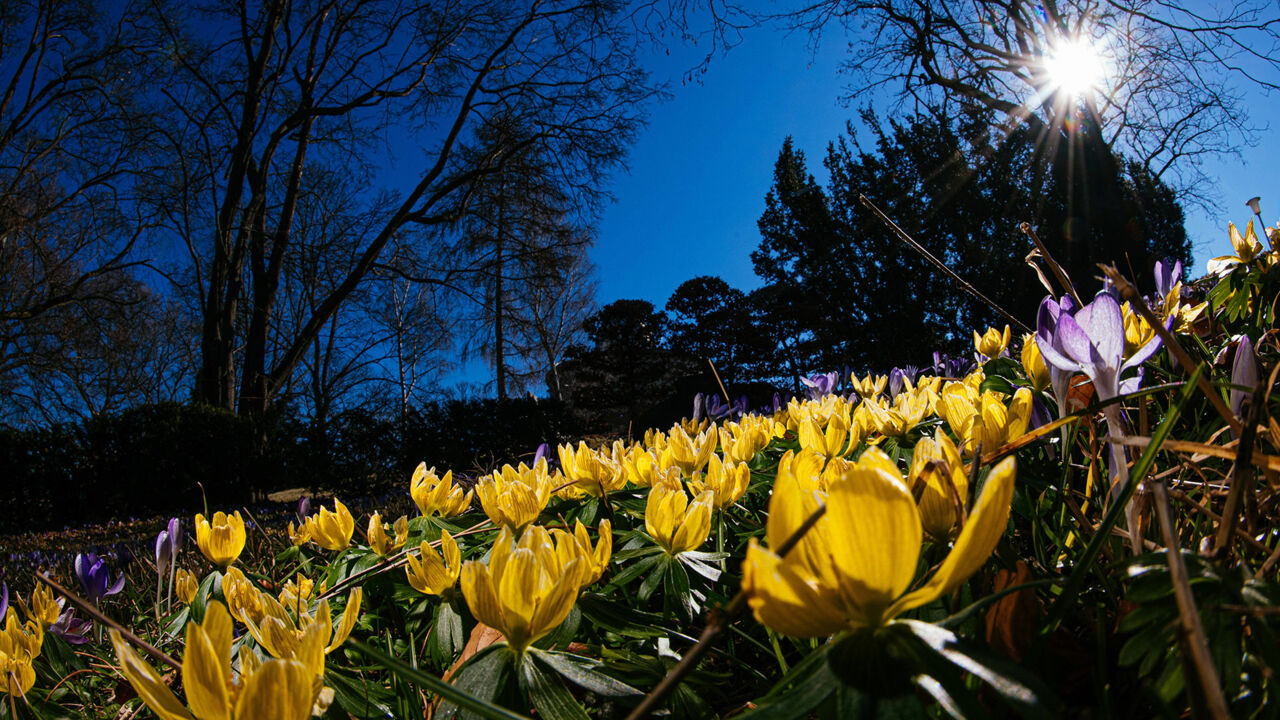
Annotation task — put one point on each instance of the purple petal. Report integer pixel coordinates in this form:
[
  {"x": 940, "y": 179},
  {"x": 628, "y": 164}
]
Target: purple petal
[
  {"x": 1073, "y": 341},
  {"x": 1244, "y": 372},
  {"x": 115, "y": 588},
  {"x": 1104, "y": 323},
  {"x": 175, "y": 535}
]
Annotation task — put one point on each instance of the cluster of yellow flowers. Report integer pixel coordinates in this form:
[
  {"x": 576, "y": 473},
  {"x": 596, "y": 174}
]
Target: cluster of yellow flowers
[
  {"x": 20, "y": 643},
  {"x": 851, "y": 570}
]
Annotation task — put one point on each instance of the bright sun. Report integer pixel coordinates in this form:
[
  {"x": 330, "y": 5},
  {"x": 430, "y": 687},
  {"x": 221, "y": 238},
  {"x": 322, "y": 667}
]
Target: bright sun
[{"x": 1075, "y": 67}]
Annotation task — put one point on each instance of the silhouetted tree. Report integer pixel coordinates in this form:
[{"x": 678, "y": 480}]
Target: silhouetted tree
[
  {"x": 874, "y": 302},
  {"x": 708, "y": 319}
]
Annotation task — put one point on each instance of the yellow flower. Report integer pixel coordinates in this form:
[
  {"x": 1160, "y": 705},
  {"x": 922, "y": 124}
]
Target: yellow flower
[
  {"x": 740, "y": 441},
  {"x": 853, "y": 568},
  {"x": 223, "y": 540},
  {"x": 382, "y": 543},
  {"x": 298, "y": 593},
  {"x": 1137, "y": 332},
  {"x": 332, "y": 529},
  {"x": 869, "y": 386},
  {"x": 908, "y": 409},
  {"x": 282, "y": 689},
  {"x": 1033, "y": 364},
  {"x": 431, "y": 574},
  {"x": 19, "y": 647},
  {"x": 834, "y": 441},
  {"x": 983, "y": 419},
  {"x": 675, "y": 523},
  {"x": 44, "y": 607},
  {"x": 308, "y": 638},
  {"x": 299, "y": 536},
  {"x": 595, "y": 473},
  {"x": 186, "y": 585},
  {"x": 578, "y": 545},
  {"x": 1247, "y": 248},
  {"x": 991, "y": 343},
  {"x": 435, "y": 495},
  {"x": 513, "y": 497},
  {"x": 244, "y": 600},
  {"x": 523, "y": 591},
  {"x": 689, "y": 454},
  {"x": 643, "y": 467},
  {"x": 936, "y": 469},
  {"x": 726, "y": 480}
]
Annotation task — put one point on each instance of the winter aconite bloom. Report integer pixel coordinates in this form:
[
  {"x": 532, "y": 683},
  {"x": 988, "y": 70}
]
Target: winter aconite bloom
[
  {"x": 221, "y": 540},
  {"x": 853, "y": 568},
  {"x": 523, "y": 591},
  {"x": 982, "y": 418},
  {"x": 436, "y": 495},
  {"x": 435, "y": 573},
  {"x": 992, "y": 343},
  {"x": 382, "y": 543},
  {"x": 185, "y": 586},
  {"x": 578, "y": 545},
  {"x": 595, "y": 473},
  {"x": 689, "y": 453},
  {"x": 44, "y": 607},
  {"x": 942, "y": 483},
  {"x": 304, "y": 633},
  {"x": 279, "y": 689},
  {"x": 19, "y": 646},
  {"x": 675, "y": 523},
  {"x": 1246, "y": 246},
  {"x": 332, "y": 529},
  {"x": 1033, "y": 364},
  {"x": 727, "y": 480},
  {"x": 513, "y": 497}
]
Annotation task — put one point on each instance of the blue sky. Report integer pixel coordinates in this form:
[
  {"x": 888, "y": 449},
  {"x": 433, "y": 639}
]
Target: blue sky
[{"x": 699, "y": 172}]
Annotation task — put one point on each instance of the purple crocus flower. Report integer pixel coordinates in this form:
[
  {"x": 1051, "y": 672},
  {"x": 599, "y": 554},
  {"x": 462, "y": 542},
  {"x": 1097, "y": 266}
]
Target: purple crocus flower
[
  {"x": 69, "y": 627},
  {"x": 820, "y": 385},
  {"x": 95, "y": 577},
  {"x": 1244, "y": 373},
  {"x": 543, "y": 451},
  {"x": 304, "y": 508},
  {"x": 898, "y": 378},
  {"x": 1090, "y": 340},
  {"x": 1166, "y": 277},
  {"x": 4, "y": 599}
]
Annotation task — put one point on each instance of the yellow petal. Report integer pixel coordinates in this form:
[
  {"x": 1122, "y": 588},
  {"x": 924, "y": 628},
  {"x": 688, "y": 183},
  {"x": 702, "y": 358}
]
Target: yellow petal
[
  {"x": 203, "y": 678},
  {"x": 349, "y": 615},
  {"x": 477, "y": 588},
  {"x": 875, "y": 517},
  {"x": 279, "y": 690},
  {"x": 978, "y": 538},
  {"x": 147, "y": 682},
  {"x": 783, "y": 599},
  {"x": 554, "y": 606}
]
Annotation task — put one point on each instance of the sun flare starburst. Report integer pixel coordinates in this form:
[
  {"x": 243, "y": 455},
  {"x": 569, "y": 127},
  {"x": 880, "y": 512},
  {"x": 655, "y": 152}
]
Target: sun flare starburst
[{"x": 1075, "y": 67}]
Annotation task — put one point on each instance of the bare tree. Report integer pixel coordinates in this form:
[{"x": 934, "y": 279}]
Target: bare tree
[
  {"x": 1170, "y": 96},
  {"x": 76, "y": 143},
  {"x": 296, "y": 83},
  {"x": 550, "y": 310}
]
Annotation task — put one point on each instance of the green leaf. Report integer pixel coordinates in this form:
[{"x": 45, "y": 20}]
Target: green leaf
[
  {"x": 619, "y": 618},
  {"x": 358, "y": 696},
  {"x": 484, "y": 673},
  {"x": 1019, "y": 688},
  {"x": 635, "y": 571},
  {"x": 446, "y": 635},
  {"x": 583, "y": 673},
  {"x": 802, "y": 698},
  {"x": 550, "y": 697},
  {"x": 654, "y": 579}
]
